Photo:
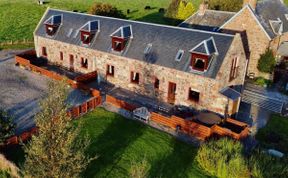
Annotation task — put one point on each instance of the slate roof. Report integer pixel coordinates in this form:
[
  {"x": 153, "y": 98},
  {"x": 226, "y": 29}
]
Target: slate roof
[
  {"x": 212, "y": 20},
  {"x": 166, "y": 40},
  {"x": 268, "y": 10}
]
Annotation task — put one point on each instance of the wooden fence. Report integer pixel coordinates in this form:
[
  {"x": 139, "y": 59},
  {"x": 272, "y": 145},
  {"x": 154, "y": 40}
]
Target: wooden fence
[
  {"x": 85, "y": 107},
  {"x": 119, "y": 103},
  {"x": 85, "y": 78},
  {"x": 181, "y": 125}
]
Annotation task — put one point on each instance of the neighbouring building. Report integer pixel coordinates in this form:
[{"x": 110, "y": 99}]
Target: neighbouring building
[
  {"x": 262, "y": 24},
  {"x": 181, "y": 66}
]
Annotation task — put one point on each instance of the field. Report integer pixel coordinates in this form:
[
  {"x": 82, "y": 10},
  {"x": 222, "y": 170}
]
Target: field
[
  {"x": 18, "y": 18},
  {"x": 118, "y": 141},
  {"x": 275, "y": 134}
]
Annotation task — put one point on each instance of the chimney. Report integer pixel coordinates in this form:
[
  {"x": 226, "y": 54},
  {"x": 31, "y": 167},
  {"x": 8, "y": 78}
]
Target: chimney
[
  {"x": 203, "y": 7},
  {"x": 252, "y": 3}
]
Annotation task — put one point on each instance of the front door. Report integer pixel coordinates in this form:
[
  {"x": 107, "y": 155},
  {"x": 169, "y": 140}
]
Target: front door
[
  {"x": 171, "y": 92},
  {"x": 71, "y": 62}
]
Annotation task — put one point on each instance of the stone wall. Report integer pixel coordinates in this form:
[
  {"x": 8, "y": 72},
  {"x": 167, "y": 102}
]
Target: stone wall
[
  {"x": 257, "y": 39},
  {"x": 210, "y": 98}
]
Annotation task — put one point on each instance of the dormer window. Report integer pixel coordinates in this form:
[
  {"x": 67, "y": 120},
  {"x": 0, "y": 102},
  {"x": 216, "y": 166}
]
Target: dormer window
[
  {"x": 121, "y": 37},
  {"x": 89, "y": 31},
  {"x": 52, "y": 24},
  {"x": 203, "y": 54}
]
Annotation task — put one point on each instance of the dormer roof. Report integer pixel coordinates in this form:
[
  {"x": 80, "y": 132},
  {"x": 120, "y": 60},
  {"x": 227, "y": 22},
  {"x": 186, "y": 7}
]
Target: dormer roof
[
  {"x": 123, "y": 32},
  {"x": 54, "y": 20},
  {"x": 277, "y": 26},
  {"x": 91, "y": 26},
  {"x": 206, "y": 47},
  {"x": 271, "y": 11},
  {"x": 166, "y": 40}
]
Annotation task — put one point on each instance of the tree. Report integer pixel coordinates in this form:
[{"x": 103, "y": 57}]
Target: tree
[
  {"x": 223, "y": 158},
  {"x": 266, "y": 62},
  {"x": 8, "y": 169},
  {"x": 57, "y": 150},
  {"x": 105, "y": 9},
  {"x": 172, "y": 9},
  {"x": 226, "y": 5},
  {"x": 189, "y": 10},
  {"x": 7, "y": 127},
  {"x": 181, "y": 11}
]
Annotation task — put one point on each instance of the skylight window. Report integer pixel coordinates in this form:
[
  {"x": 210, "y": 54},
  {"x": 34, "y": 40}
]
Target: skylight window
[
  {"x": 148, "y": 48},
  {"x": 179, "y": 55}
]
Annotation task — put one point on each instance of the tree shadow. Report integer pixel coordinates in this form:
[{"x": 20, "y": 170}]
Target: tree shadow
[
  {"x": 110, "y": 145},
  {"x": 178, "y": 163},
  {"x": 159, "y": 18}
]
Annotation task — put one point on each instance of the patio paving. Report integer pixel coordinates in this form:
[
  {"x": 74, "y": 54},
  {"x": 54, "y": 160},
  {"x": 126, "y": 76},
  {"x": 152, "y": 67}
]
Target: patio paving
[{"x": 21, "y": 90}]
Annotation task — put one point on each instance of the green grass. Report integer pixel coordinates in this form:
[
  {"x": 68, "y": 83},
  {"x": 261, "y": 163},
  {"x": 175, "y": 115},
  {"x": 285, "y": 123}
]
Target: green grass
[
  {"x": 118, "y": 142},
  {"x": 275, "y": 134},
  {"x": 18, "y": 18}
]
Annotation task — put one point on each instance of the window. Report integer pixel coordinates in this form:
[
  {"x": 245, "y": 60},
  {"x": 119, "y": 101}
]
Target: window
[
  {"x": 179, "y": 55},
  {"x": 117, "y": 46},
  {"x": 110, "y": 70},
  {"x": 84, "y": 63},
  {"x": 148, "y": 48},
  {"x": 61, "y": 56},
  {"x": 199, "y": 64},
  {"x": 234, "y": 69},
  {"x": 156, "y": 84},
  {"x": 135, "y": 77},
  {"x": 193, "y": 95},
  {"x": 44, "y": 51}
]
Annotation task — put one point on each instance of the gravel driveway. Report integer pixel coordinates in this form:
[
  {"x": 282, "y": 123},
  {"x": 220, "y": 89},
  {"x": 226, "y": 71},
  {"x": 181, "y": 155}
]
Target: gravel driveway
[{"x": 21, "y": 90}]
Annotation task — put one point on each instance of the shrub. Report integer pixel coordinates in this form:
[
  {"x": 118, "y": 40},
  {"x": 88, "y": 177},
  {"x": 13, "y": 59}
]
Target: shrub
[
  {"x": 225, "y": 5},
  {"x": 7, "y": 127},
  {"x": 105, "y": 9},
  {"x": 223, "y": 158},
  {"x": 263, "y": 165},
  {"x": 262, "y": 82},
  {"x": 8, "y": 169},
  {"x": 266, "y": 62}
]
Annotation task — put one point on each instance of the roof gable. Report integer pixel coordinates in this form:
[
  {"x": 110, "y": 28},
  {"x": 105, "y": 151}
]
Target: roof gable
[{"x": 268, "y": 33}]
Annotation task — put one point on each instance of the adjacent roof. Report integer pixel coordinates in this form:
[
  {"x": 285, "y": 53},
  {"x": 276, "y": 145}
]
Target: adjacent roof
[
  {"x": 230, "y": 93},
  {"x": 283, "y": 49},
  {"x": 166, "y": 40},
  {"x": 271, "y": 10},
  {"x": 212, "y": 20}
]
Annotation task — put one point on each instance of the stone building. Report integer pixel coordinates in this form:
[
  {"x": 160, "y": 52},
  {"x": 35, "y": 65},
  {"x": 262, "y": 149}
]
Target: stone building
[
  {"x": 181, "y": 66},
  {"x": 262, "y": 24}
]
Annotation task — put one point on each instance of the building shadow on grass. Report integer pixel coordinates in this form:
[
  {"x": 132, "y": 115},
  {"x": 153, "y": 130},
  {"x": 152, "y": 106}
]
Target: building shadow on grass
[
  {"x": 179, "y": 163},
  {"x": 110, "y": 145}
]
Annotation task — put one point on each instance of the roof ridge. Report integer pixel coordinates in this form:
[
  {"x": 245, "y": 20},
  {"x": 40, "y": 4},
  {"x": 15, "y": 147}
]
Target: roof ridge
[
  {"x": 146, "y": 23},
  {"x": 228, "y": 12}
]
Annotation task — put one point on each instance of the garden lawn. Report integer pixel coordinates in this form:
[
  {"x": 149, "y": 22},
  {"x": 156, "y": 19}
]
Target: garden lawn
[
  {"x": 275, "y": 134},
  {"x": 118, "y": 141},
  {"x": 18, "y": 18}
]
